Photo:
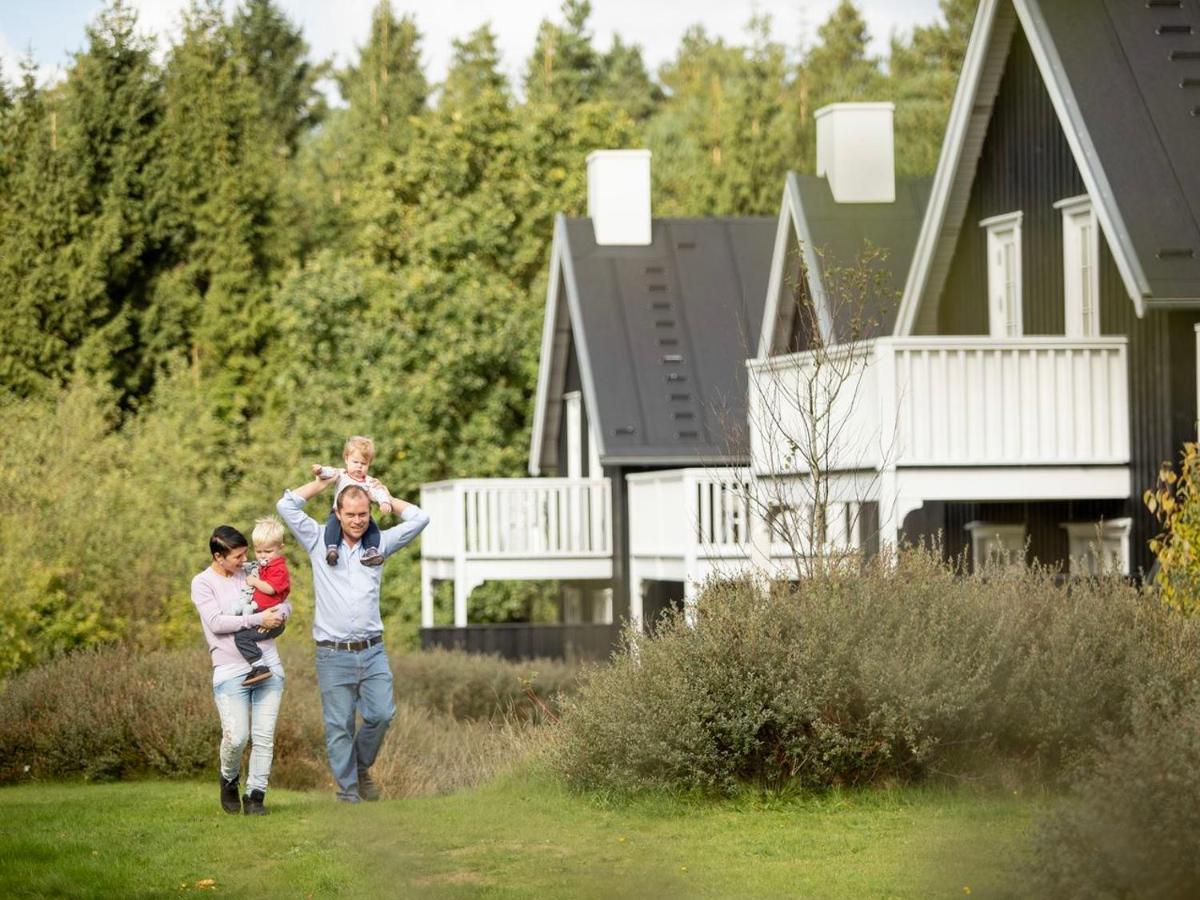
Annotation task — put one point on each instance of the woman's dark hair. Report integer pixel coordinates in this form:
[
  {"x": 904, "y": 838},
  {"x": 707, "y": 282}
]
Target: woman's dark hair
[{"x": 225, "y": 539}]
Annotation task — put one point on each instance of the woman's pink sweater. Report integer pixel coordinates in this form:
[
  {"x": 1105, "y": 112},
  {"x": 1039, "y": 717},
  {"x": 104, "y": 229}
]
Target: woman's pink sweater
[{"x": 214, "y": 595}]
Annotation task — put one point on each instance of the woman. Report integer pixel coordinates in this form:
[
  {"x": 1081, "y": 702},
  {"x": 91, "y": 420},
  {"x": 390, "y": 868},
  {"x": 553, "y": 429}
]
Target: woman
[{"x": 246, "y": 712}]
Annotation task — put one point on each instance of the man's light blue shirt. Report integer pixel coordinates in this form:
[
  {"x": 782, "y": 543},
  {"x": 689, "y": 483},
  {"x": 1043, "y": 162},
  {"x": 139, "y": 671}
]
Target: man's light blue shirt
[{"x": 347, "y": 595}]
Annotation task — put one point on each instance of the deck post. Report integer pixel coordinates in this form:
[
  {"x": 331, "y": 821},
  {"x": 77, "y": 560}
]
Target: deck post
[{"x": 426, "y": 596}]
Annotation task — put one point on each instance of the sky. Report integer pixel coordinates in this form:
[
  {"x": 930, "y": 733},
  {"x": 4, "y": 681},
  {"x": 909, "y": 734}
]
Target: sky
[{"x": 54, "y": 29}]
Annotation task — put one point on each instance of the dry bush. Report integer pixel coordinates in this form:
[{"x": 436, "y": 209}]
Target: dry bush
[
  {"x": 104, "y": 714},
  {"x": 1132, "y": 825},
  {"x": 893, "y": 672}
]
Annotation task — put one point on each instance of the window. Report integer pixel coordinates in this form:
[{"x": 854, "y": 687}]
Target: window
[
  {"x": 1081, "y": 274},
  {"x": 995, "y": 543},
  {"x": 1004, "y": 274},
  {"x": 1099, "y": 547}
]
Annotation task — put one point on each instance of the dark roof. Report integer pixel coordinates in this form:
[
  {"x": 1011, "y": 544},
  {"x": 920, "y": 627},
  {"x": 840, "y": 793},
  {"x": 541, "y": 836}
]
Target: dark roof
[
  {"x": 667, "y": 330},
  {"x": 1134, "y": 71},
  {"x": 842, "y": 232}
]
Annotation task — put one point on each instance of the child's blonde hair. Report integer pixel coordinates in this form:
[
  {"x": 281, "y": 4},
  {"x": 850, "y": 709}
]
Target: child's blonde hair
[
  {"x": 363, "y": 445},
  {"x": 268, "y": 531}
]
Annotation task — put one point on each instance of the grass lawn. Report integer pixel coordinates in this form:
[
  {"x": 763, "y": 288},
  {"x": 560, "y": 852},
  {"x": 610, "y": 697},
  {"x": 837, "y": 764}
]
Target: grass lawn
[{"x": 517, "y": 837}]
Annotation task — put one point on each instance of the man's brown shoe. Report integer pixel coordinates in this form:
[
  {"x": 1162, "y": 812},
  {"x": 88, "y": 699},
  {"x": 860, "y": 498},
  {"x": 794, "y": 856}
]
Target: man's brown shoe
[{"x": 367, "y": 788}]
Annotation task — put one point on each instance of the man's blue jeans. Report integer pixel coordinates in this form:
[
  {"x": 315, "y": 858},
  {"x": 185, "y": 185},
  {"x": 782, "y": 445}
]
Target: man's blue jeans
[{"x": 354, "y": 681}]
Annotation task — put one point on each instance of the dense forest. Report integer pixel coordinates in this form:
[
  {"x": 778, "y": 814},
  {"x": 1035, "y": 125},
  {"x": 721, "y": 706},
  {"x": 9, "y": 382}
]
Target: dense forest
[{"x": 210, "y": 274}]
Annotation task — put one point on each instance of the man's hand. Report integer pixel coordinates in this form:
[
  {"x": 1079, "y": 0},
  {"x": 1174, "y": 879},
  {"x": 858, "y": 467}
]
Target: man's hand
[{"x": 272, "y": 618}]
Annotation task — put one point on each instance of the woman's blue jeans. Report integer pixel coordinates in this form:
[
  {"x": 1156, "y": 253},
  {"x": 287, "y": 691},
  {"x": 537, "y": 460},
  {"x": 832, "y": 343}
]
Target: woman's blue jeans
[
  {"x": 354, "y": 681},
  {"x": 248, "y": 713}
]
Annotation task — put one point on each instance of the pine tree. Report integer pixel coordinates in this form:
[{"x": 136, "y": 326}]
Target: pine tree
[
  {"x": 275, "y": 56},
  {"x": 213, "y": 305},
  {"x": 564, "y": 69},
  {"x": 110, "y": 137},
  {"x": 387, "y": 84},
  {"x": 625, "y": 82},
  {"x": 37, "y": 323}
]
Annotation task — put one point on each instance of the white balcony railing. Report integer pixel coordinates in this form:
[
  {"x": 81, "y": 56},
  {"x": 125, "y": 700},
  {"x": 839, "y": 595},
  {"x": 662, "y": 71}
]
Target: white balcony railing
[
  {"x": 689, "y": 512},
  {"x": 943, "y": 402},
  {"x": 512, "y": 518}
]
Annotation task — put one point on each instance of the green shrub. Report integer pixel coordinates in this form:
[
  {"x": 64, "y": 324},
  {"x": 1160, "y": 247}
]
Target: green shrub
[
  {"x": 106, "y": 714},
  {"x": 1132, "y": 825},
  {"x": 895, "y": 672}
]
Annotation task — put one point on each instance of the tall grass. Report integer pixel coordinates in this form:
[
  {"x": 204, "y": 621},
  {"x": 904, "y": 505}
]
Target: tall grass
[{"x": 105, "y": 714}]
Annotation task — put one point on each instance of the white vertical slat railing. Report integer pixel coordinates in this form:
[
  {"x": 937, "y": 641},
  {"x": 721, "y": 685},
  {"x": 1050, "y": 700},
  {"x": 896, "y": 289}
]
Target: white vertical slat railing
[{"x": 531, "y": 517}]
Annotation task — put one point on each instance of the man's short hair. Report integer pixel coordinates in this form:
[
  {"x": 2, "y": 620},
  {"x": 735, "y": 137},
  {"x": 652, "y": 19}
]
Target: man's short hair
[
  {"x": 356, "y": 491},
  {"x": 363, "y": 445},
  {"x": 268, "y": 531}
]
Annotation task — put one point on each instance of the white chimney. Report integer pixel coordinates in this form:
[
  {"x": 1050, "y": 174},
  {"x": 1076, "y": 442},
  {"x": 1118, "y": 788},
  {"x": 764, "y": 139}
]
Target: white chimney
[
  {"x": 619, "y": 196},
  {"x": 855, "y": 151}
]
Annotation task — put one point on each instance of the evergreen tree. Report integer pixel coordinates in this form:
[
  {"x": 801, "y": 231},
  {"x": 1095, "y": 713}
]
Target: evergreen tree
[
  {"x": 37, "y": 323},
  {"x": 110, "y": 137},
  {"x": 625, "y": 82},
  {"x": 386, "y": 85},
  {"x": 275, "y": 56},
  {"x": 213, "y": 304},
  {"x": 564, "y": 68}
]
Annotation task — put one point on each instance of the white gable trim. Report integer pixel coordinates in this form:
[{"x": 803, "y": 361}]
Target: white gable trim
[
  {"x": 553, "y": 355},
  {"x": 791, "y": 218},
  {"x": 968, "y": 125},
  {"x": 963, "y": 120}
]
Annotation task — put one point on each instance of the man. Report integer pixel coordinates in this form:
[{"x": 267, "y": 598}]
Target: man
[{"x": 352, "y": 664}]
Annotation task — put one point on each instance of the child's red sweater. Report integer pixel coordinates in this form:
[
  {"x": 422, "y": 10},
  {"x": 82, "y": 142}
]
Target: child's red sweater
[{"x": 274, "y": 573}]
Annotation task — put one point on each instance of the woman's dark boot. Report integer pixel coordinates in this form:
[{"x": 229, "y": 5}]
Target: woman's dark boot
[
  {"x": 230, "y": 802},
  {"x": 252, "y": 804}
]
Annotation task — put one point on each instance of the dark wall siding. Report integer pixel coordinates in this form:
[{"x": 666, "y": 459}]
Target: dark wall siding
[{"x": 1027, "y": 165}]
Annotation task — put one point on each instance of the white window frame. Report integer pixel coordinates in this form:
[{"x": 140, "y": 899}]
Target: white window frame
[
  {"x": 990, "y": 539},
  {"x": 1110, "y": 538},
  {"x": 1081, "y": 269},
  {"x": 574, "y": 417},
  {"x": 1004, "y": 274}
]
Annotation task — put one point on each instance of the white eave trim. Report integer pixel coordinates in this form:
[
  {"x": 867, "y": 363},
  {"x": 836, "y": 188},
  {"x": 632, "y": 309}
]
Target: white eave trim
[
  {"x": 791, "y": 218},
  {"x": 575, "y": 310},
  {"x": 545, "y": 359},
  {"x": 1082, "y": 150},
  {"x": 561, "y": 271},
  {"x": 948, "y": 161}
]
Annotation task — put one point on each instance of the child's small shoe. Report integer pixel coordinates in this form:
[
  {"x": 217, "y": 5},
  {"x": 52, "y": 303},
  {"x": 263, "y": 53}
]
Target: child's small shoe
[
  {"x": 372, "y": 557},
  {"x": 257, "y": 675},
  {"x": 328, "y": 472},
  {"x": 331, "y": 555}
]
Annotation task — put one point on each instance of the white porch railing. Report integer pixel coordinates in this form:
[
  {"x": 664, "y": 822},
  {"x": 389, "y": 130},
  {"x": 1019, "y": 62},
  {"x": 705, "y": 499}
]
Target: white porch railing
[
  {"x": 689, "y": 512},
  {"x": 944, "y": 402},
  {"x": 518, "y": 517},
  {"x": 513, "y": 528}
]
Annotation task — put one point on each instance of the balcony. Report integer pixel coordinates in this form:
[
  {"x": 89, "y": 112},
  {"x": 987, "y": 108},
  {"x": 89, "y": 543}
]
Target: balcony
[
  {"x": 951, "y": 417},
  {"x": 513, "y": 529}
]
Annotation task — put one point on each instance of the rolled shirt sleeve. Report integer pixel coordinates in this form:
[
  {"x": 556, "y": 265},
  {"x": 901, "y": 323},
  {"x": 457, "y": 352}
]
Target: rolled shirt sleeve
[
  {"x": 305, "y": 528},
  {"x": 412, "y": 522}
]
